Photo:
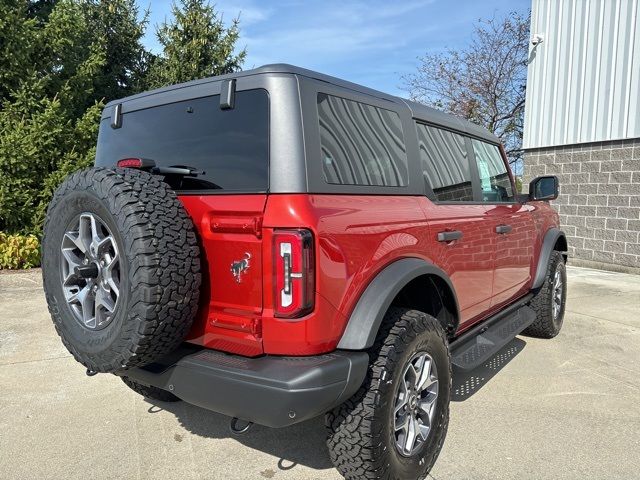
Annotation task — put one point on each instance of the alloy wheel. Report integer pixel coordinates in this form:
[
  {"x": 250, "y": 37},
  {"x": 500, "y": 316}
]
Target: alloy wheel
[
  {"x": 90, "y": 271},
  {"x": 558, "y": 288},
  {"x": 415, "y": 403}
]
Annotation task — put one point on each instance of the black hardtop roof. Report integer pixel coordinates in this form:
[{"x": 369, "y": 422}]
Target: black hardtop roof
[{"x": 418, "y": 110}]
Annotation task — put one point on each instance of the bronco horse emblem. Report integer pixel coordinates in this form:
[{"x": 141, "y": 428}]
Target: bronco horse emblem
[{"x": 238, "y": 267}]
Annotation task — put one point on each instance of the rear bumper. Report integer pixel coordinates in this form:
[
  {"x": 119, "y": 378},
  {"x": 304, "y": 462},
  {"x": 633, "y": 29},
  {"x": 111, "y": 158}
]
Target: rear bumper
[{"x": 271, "y": 391}]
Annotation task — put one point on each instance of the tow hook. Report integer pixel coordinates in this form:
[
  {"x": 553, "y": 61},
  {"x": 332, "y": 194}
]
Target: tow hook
[
  {"x": 233, "y": 426},
  {"x": 90, "y": 373}
]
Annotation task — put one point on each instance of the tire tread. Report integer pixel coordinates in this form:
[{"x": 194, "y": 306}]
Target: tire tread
[
  {"x": 543, "y": 326},
  {"x": 164, "y": 266},
  {"x": 356, "y": 445}
]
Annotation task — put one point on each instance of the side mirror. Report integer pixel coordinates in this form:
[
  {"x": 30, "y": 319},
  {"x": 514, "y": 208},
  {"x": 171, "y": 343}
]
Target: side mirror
[{"x": 544, "y": 188}]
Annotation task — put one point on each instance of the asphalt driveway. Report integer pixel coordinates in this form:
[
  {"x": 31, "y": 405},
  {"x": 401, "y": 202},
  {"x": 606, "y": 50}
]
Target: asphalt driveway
[{"x": 541, "y": 409}]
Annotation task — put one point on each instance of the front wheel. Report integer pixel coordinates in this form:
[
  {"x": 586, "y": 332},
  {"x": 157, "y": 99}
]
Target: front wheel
[
  {"x": 395, "y": 425},
  {"x": 549, "y": 302}
]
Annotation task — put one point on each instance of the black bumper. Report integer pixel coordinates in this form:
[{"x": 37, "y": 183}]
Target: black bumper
[{"x": 271, "y": 391}]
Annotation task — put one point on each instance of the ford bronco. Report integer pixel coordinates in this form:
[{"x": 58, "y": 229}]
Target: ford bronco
[{"x": 277, "y": 244}]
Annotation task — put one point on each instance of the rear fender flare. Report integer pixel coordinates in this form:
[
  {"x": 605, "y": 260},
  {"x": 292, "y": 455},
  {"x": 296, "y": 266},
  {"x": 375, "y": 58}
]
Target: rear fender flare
[{"x": 366, "y": 318}]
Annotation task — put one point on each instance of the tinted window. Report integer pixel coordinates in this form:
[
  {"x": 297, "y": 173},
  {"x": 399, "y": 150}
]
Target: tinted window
[
  {"x": 494, "y": 178},
  {"x": 445, "y": 164},
  {"x": 360, "y": 144},
  {"x": 230, "y": 148}
]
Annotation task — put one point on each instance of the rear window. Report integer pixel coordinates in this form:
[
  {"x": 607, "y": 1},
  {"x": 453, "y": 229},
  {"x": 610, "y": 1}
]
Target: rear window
[
  {"x": 228, "y": 148},
  {"x": 360, "y": 144}
]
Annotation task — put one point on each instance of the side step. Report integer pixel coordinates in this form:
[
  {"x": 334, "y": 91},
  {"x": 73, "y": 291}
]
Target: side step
[{"x": 478, "y": 345}]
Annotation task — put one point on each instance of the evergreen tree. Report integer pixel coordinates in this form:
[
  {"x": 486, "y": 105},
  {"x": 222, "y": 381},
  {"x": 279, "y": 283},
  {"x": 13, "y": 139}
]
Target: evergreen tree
[
  {"x": 195, "y": 44},
  {"x": 17, "y": 43},
  {"x": 60, "y": 60},
  {"x": 95, "y": 46},
  {"x": 51, "y": 105},
  {"x": 118, "y": 28},
  {"x": 41, "y": 9}
]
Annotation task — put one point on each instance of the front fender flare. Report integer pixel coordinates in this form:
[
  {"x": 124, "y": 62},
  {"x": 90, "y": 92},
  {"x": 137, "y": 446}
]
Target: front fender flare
[
  {"x": 367, "y": 316},
  {"x": 548, "y": 244}
]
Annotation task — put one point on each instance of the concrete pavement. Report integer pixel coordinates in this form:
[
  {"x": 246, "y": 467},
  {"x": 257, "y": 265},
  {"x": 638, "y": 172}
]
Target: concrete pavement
[{"x": 567, "y": 408}]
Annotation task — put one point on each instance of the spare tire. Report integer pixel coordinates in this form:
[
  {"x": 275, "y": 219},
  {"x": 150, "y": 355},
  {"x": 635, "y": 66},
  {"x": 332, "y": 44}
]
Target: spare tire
[{"x": 121, "y": 268}]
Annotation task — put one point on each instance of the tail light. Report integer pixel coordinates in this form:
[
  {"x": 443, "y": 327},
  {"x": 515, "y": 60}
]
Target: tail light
[
  {"x": 140, "y": 163},
  {"x": 129, "y": 163},
  {"x": 294, "y": 273}
]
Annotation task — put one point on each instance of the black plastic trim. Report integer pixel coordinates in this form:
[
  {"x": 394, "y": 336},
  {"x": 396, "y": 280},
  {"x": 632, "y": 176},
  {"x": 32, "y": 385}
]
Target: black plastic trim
[
  {"x": 116, "y": 116},
  {"x": 488, "y": 341},
  {"x": 228, "y": 94},
  {"x": 550, "y": 239},
  {"x": 367, "y": 316},
  {"x": 485, "y": 324},
  {"x": 271, "y": 391}
]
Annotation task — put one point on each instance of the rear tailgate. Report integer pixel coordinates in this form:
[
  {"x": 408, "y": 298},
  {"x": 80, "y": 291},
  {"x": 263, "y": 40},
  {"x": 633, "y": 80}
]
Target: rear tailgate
[{"x": 230, "y": 228}]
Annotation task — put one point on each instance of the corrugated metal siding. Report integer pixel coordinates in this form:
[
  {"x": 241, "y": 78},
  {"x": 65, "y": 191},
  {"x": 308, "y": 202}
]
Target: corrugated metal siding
[{"x": 583, "y": 81}]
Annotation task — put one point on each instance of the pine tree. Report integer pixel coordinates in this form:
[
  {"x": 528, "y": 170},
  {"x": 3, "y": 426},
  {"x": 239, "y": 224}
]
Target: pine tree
[
  {"x": 17, "y": 43},
  {"x": 61, "y": 60},
  {"x": 195, "y": 44},
  {"x": 59, "y": 68}
]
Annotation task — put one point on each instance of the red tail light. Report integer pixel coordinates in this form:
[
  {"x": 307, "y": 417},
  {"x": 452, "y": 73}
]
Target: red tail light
[
  {"x": 142, "y": 163},
  {"x": 129, "y": 163},
  {"x": 294, "y": 273}
]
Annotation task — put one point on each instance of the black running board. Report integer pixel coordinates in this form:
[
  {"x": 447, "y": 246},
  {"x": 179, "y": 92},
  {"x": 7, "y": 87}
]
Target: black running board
[{"x": 479, "y": 344}]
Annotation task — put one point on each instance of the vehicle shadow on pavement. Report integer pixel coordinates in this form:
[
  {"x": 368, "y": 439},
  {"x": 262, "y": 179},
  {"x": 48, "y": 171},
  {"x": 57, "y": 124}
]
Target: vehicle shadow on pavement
[
  {"x": 466, "y": 384},
  {"x": 301, "y": 444},
  {"x": 304, "y": 443}
]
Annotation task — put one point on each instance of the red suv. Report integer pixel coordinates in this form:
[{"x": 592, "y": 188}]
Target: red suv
[{"x": 278, "y": 244}]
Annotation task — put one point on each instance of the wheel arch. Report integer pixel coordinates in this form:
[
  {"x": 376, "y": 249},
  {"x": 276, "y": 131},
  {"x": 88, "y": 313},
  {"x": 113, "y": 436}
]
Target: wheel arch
[
  {"x": 554, "y": 240},
  {"x": 401, "y": 283}
]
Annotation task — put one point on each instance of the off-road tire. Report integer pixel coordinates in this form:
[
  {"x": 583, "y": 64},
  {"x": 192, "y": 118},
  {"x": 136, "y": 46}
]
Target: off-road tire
[
  {"x": 545, "y": 326},
  {"x": 154, "y": 393},
  {"x": 159, "y": 267},
  {"x": 361, "y": 440}
]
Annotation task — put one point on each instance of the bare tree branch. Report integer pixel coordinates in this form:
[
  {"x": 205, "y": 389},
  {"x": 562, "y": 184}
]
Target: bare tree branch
[{"x": 484, "y": 82}]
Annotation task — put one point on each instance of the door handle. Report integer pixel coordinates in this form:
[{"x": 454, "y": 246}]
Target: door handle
[
  {"x": 449, "y": 236},
  {"x": 502, "y": 229}
]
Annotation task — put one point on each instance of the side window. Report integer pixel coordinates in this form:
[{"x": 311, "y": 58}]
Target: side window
[
  {"x": 445, "y": 164},
  {"x": 360, "y": 144},
  {"x": 495, "y": 182}
]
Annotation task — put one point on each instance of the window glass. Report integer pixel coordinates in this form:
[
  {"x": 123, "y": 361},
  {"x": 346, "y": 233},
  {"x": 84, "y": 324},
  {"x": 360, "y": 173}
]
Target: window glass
[
  {"x": 228, "y": 148},
  {"x": 445, "y": 164},
  {"x": 360, "y": 144},
  {"x": 494, "y": 177}
]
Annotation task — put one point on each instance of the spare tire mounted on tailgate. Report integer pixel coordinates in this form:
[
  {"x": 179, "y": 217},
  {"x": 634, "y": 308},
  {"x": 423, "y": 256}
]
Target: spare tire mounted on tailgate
[{"x": 121, "y": 268}]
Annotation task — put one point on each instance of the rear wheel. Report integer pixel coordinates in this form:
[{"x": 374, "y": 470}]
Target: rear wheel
[
  {"x": 549, "y": 302},
  {"x": 395, "y": 425},
  {"x": 154, "y": 393}
]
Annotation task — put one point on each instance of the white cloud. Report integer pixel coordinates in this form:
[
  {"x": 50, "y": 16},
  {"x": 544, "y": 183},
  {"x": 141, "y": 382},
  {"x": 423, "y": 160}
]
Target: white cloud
[
  {"x": 249, "y": 12},
  {"x": 329, "y": 32}
]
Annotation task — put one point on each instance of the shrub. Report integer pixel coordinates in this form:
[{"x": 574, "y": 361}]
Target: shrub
[{"x": 19, "y": 251}]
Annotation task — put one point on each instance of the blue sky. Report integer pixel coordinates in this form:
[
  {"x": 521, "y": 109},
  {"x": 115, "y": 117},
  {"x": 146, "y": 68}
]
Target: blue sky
[{"x": 371, "y": 42}]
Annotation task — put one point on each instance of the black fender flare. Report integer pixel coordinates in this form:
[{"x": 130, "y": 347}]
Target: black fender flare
[
  {"x": 548, "y": 244},
  {"x": 365, "y": 320}
]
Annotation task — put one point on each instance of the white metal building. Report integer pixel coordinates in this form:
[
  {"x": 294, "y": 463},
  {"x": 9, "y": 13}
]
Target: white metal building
[{"x": 582, "y": 123}]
